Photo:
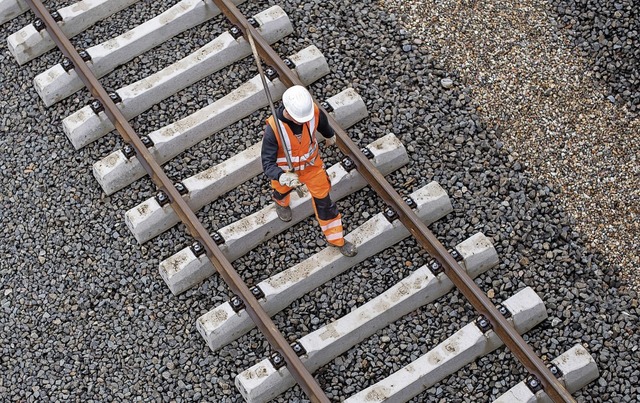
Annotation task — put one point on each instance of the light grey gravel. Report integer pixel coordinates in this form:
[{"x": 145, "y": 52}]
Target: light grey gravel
[
  {"x": 86, "y": 316},
  {"x": 568, "y": 115}
]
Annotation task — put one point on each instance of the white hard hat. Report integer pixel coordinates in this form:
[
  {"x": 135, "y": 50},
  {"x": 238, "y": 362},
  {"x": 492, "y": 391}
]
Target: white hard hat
[{"x": 297, "y": 101}]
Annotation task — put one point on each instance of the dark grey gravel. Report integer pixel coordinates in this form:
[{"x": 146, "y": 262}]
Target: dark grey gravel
[
  {"x": 86, "y": 317},
  {"x": 552, "y": 110},
  {"x": 608, "y": 33}
]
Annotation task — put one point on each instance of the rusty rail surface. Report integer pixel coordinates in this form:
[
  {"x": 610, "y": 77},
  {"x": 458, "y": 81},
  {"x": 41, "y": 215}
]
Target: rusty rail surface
[
  {"x": 418, "y": 229},
  {"x": 194, "y": 226}
]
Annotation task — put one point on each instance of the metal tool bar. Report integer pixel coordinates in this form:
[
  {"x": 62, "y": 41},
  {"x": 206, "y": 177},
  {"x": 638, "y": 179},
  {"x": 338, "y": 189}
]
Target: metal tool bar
[
  {"x": 273, "y": 108},
  {"x": 419, "y": 230},
  {"x": 194, "y": 226}
]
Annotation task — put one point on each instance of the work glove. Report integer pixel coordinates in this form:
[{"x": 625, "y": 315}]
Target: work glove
[
  {"x": 329, "y": 141},
  {"x": 289, "y": 179}
]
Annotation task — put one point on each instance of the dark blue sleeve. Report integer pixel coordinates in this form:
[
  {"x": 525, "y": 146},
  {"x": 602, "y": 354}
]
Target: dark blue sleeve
[
  {"x": 269, "y": 154},
  {"x": 323, "y": 126}
]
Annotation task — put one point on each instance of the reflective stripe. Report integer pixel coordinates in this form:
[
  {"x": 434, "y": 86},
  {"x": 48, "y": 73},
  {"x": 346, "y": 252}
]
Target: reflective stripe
[
  {"x": 332, "y": 224},
  {"x": 299, "y": 160},
  {"x": 287, "y": 141},
  {"x": 285, "y": 167},
  {"x": 333, "y": 237},
  {"x": 308, "y": 129},
  {"x": 294, "y": 160}
]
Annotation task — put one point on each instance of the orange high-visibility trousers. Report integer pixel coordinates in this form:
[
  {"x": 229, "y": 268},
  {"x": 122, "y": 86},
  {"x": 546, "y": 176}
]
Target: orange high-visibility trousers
[{"x": 327, "y": 214}]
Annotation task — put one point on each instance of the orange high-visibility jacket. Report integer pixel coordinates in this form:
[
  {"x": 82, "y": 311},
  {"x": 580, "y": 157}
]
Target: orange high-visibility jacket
[{"x": 303, "y": 150}]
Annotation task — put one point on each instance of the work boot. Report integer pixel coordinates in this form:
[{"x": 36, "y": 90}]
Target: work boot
[
  {"x": 284, "y": 213},
  {"x": 348, "y": 249}
]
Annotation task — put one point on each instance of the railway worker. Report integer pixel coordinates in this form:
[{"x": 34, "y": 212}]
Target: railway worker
[{"x": 299, "y": 120}]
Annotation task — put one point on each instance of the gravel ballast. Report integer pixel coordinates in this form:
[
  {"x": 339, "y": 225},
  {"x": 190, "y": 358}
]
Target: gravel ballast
[{"x": 541, "y": 110}]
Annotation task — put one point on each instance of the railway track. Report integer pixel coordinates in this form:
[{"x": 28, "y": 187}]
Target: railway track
[{"x": 285, "y": 364}]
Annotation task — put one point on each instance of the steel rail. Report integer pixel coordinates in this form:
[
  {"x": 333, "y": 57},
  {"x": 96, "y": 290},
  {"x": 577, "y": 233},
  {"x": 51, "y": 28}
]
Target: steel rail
[
  {"x": 194, "y": 226},
  {"x": 418, "y": 229}
]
